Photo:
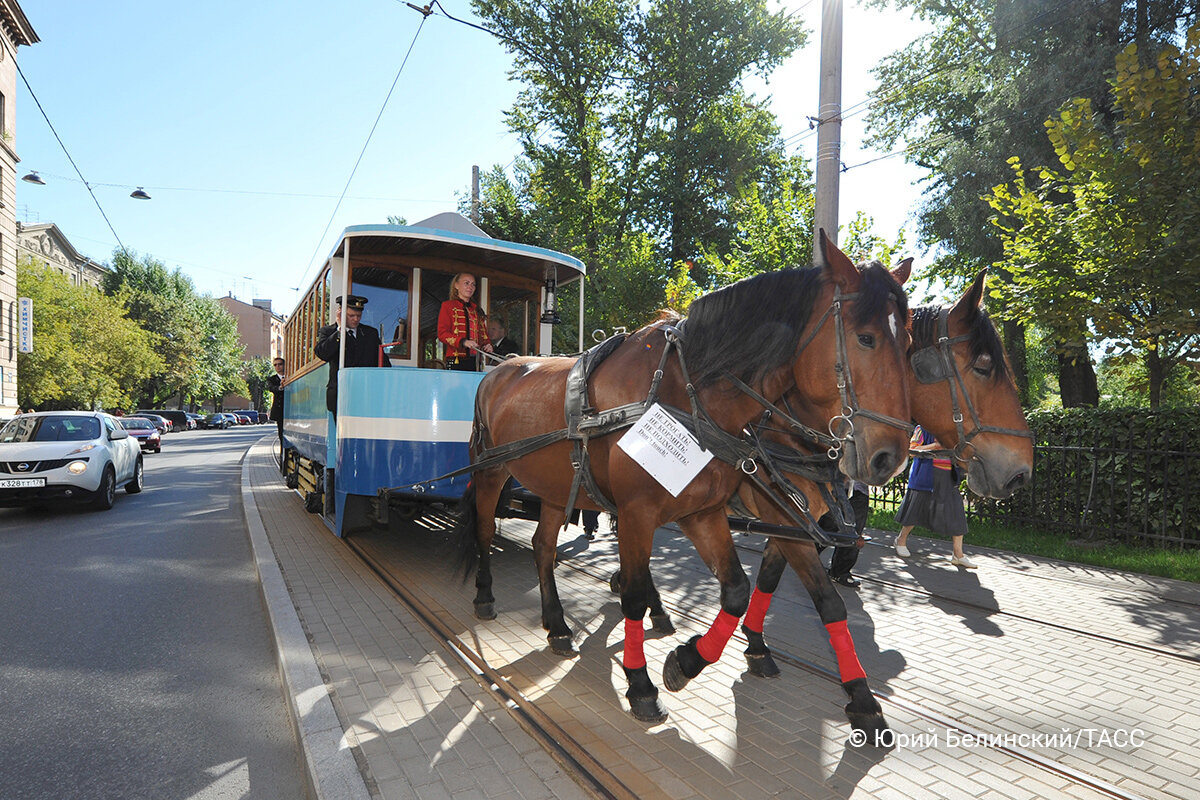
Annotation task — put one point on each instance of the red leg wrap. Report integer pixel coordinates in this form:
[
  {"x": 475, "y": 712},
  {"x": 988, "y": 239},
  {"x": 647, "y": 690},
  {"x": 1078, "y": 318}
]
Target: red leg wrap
[
  {"x": 843, "y": 648},
  {"x": 712, "y": 644},
  {"x": 635, "y": 635},
  {"x": 759, "y": 603}
]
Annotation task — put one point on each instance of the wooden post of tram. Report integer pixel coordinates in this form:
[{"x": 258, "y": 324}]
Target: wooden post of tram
[{"x": 829, "y": 126}]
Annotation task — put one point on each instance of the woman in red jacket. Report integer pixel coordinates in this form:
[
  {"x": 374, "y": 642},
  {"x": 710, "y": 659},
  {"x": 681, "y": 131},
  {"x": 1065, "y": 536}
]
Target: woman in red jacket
[{"x": 461, "y": 326}]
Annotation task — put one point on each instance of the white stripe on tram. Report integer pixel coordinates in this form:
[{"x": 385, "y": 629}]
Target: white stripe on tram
[{"x": 404, "y": 430}]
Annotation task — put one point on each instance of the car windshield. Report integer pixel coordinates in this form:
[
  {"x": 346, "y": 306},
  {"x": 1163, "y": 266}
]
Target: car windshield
[
  {"x": 136, "y": 424},
  {"x": 51, "y": 429}
]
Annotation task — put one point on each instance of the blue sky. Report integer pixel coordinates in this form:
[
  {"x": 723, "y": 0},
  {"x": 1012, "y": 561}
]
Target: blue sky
[{"x": 243, "y": 122}]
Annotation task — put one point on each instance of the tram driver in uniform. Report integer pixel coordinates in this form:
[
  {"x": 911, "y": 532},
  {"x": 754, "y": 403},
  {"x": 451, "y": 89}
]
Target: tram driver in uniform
[{"x": 362, "y": 344}]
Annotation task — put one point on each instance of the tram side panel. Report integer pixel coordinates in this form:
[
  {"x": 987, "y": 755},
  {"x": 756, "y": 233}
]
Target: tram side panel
[
  {"x": 305, "y": 433},
  {"x": 398, "y": 427}
]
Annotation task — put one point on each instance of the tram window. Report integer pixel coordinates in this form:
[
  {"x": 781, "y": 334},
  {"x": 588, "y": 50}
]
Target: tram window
[
  {"x": 513, "y": 306},
  {"x": 388, "y": 304}
]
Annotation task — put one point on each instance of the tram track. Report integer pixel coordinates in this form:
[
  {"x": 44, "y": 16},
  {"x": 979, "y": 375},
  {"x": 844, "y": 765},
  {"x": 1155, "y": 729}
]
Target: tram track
[
  {"x": 594, "y": 776},
  {"x": 994, "y": 611},
  {"x": 571, "y": 756},
  {"x": 887, "y": 698}
]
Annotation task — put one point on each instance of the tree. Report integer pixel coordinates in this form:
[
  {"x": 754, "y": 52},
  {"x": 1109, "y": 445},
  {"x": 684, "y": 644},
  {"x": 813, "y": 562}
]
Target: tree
[
  {"x": 87, "y": 353},
  {"x": 195, "y": 338},
  {"x": 633, "y": 125},
  {"x": 255, "y": 373},
  {"x": 1109, "y": 247},
  {"x": 973, "y": 93}
]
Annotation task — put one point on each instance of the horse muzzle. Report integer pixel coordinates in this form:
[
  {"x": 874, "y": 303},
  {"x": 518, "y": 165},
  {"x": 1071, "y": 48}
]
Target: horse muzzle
[{"x": 873, "y": 465}]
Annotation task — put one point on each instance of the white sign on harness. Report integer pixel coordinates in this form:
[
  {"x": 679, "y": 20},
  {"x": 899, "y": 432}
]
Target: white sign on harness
[{"x": 666, "y": 449}]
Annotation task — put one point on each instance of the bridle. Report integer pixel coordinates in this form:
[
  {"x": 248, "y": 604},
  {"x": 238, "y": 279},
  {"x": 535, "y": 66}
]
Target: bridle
[
  {"x": 845, "y": 381},
  {"x": 935, "y": 363}
]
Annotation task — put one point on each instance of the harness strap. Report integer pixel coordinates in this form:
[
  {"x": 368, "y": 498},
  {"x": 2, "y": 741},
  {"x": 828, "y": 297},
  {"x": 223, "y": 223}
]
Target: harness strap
[{"x": 954, "y": 378}]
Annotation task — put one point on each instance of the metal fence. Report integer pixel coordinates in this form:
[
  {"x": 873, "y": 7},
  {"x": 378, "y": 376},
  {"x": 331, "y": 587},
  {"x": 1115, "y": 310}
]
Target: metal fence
[{"x": 1099, "y": 493}]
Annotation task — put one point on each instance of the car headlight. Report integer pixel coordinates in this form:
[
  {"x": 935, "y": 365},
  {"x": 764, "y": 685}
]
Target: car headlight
[
  {"x": 82, "y": 449},
  {"x": 77, "y": 467}
]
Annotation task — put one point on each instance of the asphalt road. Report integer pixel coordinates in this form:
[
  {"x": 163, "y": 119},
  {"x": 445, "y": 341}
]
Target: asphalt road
[{"x": 135, "y": 656}]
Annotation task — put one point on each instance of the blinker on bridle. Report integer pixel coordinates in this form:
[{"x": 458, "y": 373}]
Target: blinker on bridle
[{"x": 935, "y": 363}]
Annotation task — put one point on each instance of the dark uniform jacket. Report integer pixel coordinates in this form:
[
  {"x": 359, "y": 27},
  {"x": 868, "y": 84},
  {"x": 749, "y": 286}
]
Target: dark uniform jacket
[
  {"x": 275, "y": 385},
  {"x": 506, "y": 346},
  {"x": 362, "y": 350}
]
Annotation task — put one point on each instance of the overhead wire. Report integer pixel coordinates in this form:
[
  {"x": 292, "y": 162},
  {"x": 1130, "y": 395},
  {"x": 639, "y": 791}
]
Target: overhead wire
[
  {"x": 67, "y": 152},
  {"x": 363, "y": 151}
]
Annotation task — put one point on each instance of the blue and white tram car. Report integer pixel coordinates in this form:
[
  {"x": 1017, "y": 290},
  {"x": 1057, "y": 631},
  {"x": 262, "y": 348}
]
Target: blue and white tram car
[{"x": 404, "y": 425}]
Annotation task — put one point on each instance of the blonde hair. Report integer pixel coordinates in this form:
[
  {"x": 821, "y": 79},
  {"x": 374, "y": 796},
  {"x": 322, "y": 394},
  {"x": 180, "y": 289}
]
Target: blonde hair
[{"x": 454, "y": 284}]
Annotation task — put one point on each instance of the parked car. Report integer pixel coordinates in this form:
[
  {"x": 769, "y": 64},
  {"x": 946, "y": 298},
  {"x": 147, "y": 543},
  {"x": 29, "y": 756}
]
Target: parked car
[
  {"x": 177, "y": 418},
  {"x": 75, "y": 456},
  {"x": 145, "y": 432},
  {"x": 194, "y": 420},
  {"x": 254, "y": 416},
  {"x": 220, "y": 420},
  {"x": 162, "y": 423},
  {"x": 241, "y": 417}
]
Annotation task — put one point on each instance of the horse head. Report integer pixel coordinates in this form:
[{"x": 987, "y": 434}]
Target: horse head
[
  {"x": 963, "y": 393},
  {"x": 852, "y": 373}
]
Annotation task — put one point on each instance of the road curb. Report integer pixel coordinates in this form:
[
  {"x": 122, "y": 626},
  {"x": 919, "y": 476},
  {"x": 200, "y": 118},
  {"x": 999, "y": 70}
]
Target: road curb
[{"x": 332, "y": 772}]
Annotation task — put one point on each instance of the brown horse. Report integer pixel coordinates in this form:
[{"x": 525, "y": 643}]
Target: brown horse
[
  {"x": 997, "y": 452},
  {"x": 761, "y": 332}
]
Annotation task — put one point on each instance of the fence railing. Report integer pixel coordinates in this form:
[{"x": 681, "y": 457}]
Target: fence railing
[{"x": 1126, "y": 494}]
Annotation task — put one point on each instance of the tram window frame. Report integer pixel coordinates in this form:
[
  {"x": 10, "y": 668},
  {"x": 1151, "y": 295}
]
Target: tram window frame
[{"x": 370, "y": 280}]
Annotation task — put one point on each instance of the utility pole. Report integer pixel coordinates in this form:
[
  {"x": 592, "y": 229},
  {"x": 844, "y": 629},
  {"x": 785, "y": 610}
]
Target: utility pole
[
  {"x": 475, "y": 194},
  {"x": 829, "y": 125}
]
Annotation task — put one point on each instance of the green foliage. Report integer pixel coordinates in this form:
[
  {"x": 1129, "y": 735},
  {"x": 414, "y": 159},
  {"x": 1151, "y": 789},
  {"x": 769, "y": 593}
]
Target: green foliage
[
  {"x": 87, "y": 353},
  {"x": 255, "y": 373},
  {"x": 194, "y": 337},
  {"x": 1124, "y": 383},
  {"x": 1109, "y": 248},
  {"x": 1122, "y": 473},
  {"x": 639, "y": 143}
]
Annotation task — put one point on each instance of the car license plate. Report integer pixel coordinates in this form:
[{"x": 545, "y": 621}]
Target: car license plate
[{"x": 22, "y": 483}]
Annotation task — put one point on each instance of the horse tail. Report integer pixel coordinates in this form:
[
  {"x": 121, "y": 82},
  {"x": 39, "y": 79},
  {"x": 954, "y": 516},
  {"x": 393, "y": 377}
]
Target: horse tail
[{"x": 465, "y": 536}]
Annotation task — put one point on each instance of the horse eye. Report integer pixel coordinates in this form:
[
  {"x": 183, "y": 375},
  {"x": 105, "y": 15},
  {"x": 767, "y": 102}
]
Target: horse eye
[
  {"x": 982, "y": 367},
  {"x": 866, "y": 340}
]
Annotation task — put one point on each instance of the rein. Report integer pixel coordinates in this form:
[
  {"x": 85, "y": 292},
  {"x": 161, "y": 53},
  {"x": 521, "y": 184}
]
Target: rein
[{"x": 945, "y": 368}]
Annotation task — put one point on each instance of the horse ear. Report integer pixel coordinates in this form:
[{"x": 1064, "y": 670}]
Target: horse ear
[
  {"x": 840, "y": 268},
  {"x": 968, "y": 304},
  {"x": 903, "y": 271}
]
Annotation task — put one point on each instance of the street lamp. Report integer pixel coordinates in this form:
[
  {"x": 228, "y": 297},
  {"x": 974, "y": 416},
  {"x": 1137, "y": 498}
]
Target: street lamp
[
  {"x": 139, "y": 194},
  {"x": 33, "y": 177}
]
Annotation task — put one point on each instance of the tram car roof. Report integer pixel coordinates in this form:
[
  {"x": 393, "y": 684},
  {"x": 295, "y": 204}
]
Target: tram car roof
[{"x": 453, "y": 236}]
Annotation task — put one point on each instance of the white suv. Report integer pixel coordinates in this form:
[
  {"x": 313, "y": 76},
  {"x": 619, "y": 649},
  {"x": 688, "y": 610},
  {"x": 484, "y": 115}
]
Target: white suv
[{"x": 54, "y": 456}]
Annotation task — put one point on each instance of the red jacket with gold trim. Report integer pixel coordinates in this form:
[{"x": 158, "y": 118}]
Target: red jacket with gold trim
[{"x": 457, "y": 322}]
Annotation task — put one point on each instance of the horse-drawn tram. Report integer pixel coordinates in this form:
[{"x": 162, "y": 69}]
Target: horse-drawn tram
[
  {"x": 828, "y": 370},
  {"x": 400, "y": 426}
]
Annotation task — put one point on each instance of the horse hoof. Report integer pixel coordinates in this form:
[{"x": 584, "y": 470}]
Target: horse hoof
[
  {"x": 485, "y": 611},
  {"x": 561, "y": 645},
  {"x": 647, "y": 709},
  {"x": 662, "y": 624},
  {"x": 673, "y": 675},
  {"x": 762, "y": 665},
  {"x": 614, "y": 583},
  {"x": 872, "y": 725}
]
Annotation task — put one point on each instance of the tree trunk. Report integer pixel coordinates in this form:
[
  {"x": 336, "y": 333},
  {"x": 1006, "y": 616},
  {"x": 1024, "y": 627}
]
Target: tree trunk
[
  {"x": 1155, "y": 374},
  {"x": 1077, "y": 378}
]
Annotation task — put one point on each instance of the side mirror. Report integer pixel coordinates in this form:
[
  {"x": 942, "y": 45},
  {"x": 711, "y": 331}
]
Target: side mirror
[{"x": 119, "y": 433}]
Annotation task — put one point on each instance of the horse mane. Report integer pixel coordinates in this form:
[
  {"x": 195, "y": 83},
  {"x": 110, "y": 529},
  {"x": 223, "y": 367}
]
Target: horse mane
[
  {"x": 982, "y": 336},
  {"x": 752, "y": 327}
]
